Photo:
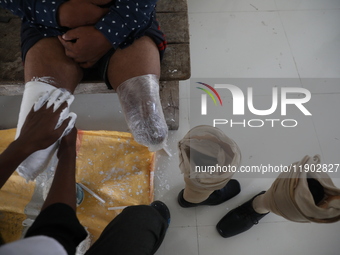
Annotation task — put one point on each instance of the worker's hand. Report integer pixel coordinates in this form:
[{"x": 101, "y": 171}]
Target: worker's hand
[
  {"x": 76, "y": 13},
  {"x": 38, "y": 131},
  {"x": 68, "y": 144},
  {"x": 86, "y": 45}
]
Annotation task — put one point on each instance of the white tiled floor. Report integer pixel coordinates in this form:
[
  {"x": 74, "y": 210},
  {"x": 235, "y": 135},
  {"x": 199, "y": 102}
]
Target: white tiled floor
[
  {"x": 261, "y": 39},
  {"x": 246, "y": 39}
]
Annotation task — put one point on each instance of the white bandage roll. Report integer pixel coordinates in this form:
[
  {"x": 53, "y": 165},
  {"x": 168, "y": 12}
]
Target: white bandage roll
[{"x": 38, "y": 94}]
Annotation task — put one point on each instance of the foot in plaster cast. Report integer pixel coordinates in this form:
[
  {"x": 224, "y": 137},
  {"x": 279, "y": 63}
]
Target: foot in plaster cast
[
  {"x": 230, "y": 190},
  {"x": 139, "y": 98},
  {"x": 240, "y": 219}
]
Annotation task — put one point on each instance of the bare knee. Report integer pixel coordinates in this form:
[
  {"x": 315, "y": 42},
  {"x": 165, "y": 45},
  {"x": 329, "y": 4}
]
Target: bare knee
[
  {"x": 47, "y": 59},
  {"x": 140, "y": 58}
]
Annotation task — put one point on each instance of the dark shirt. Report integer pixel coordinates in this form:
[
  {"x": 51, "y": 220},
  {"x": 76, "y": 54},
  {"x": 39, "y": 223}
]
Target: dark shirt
[{"x": 126, "y": 20}]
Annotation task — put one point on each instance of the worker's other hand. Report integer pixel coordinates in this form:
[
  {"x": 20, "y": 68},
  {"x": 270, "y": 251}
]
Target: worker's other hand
[
  {"x": 38, "y": 131},
  {"x": 76, "y": 13},
  {"x": 86, "y": 45},
  {"x": 68, "y": 144}
]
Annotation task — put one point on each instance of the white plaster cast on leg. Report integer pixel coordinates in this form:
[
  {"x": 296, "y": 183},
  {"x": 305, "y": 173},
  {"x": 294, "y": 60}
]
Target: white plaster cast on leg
[
  {"x": 35, "y": 92},
  {"x": 139, "y": 97},
  {"x": 38, "y": 94}
]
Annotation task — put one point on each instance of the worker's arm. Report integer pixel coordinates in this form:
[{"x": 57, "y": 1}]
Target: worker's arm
[
  {"x": 36, "y": 134},
  {"x": 63, "y": 189}
]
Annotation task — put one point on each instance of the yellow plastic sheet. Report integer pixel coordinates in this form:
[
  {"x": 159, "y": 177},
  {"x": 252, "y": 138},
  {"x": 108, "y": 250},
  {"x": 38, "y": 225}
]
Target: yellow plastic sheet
[
  {"x": 109, "y": 163},
  {"x": 14, "y": 196},
  {"x": 118, "y": 170}
]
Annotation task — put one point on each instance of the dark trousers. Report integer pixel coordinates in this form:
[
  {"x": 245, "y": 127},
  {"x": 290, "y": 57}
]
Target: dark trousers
[{"x": 137, "y": 230}]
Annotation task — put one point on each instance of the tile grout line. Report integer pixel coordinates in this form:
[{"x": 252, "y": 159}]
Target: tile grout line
[
  {"x": 258, "y": 11},
  {"x": 197, "y": 235},
  {"x": 290, "y": 48},
  {"x": 297, "y": 69}
]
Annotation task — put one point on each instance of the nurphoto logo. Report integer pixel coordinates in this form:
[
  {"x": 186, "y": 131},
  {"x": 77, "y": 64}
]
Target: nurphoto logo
[
  {"x": 279, "y": 101},
  {"x": 204, "y": 97}
]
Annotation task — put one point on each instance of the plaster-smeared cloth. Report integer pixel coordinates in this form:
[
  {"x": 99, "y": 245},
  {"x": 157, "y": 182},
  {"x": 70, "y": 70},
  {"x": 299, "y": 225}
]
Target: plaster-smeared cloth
[{"x": 38, "y": 94}]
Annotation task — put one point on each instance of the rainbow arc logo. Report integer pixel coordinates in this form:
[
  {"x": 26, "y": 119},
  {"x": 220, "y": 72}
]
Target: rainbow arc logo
[{"x": 210, "y": 94}]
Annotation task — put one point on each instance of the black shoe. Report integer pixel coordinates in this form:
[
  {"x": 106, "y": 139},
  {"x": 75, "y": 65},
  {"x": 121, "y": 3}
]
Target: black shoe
[
  {"x": 162, "y": 209},
  {"x": 239, "y": 219},
  {"x": 231, "y": 189}
]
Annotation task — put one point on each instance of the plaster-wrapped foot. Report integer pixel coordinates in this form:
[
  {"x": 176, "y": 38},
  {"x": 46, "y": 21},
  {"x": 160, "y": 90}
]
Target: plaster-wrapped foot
[
  {"x": 38, "y": 94},
  {"x": 139, "y": 97}
]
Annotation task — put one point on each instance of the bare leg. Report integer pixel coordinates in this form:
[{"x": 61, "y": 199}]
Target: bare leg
[
  {"x": 46, "y": 68},
  {"x": 47, "y": 59},
  {"x": 134, "y": 73},
  {"x": 140, "y": 58}
]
